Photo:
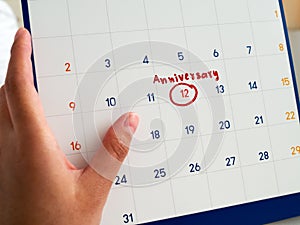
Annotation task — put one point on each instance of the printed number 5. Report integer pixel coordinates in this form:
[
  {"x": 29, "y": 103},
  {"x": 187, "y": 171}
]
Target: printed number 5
[{"x": 180, "y": 56}]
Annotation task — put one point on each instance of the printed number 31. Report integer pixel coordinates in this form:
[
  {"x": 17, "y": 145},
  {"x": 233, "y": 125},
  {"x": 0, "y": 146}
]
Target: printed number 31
[{"x": 128, "y": 218}]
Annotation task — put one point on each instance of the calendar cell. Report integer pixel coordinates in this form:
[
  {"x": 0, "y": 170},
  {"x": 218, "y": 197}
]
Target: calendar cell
[
  {"x": 185, "y": 121},
  {"x": 62, "y": 94},
  {"x": 265, "y": 12},
  {"x": 146, "y": 199},
  {"x": 96, "y": 125},
  {"x": 129, "y": 82},
  {"x": 70, "y": 136},
  {"x": 231, "y": 184},
  {"x": 124, "y": 211},
  {"x": 123, "y": 179},
  {"x": 230, "y": 14},
  {"x": 209, "y": 48},
  {"x": 222, "y": 119},
  {"x": 88, "y": 17},
  {"x": 185, "y": 157},
  {"x": 283, "y": 103},
  {"x": 221, "y": 87},
  {"x": 267, "y": 39},
  {"x": 226, "y": 156},
  {"x": 126, "y": 38},
  {"x": 44, "y": 24},
  {"x": 171, "y": 115},
  {"x": 204, "y": 14},
  {"x": 276, "y": 74},
  {"x": 175, "y": 37},
  {"x": 287, "y": 181},
  {"x": 237, "y": 40},
  {"x": 254, "y": 146},
  {"x": 250, "y": 115},
  {"x": 58, "y": 52},
  {"x": 102, "y": 94},
  {"x": 285, "y": 148},
  {"x": 241, "y": 73},
  {"x": 121, "y": 17},
  {"x": 89, "y": 50},
  {"x": 199, "y": 200},
  {"x": 151, "y": 129},
  {"x": 147, "y": 155},
  {"x": 158, "y": 17},
  {"x": 260, "y": 181}
]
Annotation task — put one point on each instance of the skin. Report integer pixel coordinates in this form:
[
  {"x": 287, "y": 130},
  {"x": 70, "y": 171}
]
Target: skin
[{"x": 38, "y": 185}]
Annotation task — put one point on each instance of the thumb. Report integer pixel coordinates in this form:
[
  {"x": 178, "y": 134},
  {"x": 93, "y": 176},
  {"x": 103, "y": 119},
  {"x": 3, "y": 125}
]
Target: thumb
[
  {"x": 107, "y": 161},
  {"x": 23, "y": 102}
]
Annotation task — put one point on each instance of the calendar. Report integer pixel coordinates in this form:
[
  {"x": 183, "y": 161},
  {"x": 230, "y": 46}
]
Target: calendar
[{"x": 214, "y": 86}]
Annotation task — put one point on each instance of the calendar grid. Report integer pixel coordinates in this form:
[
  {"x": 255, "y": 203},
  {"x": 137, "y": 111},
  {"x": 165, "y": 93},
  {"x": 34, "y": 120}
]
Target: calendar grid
[
  {"x": 154, "y": 29},
  {"x": 159, "y": 106},
  {"x": 189, "y": 63},
  {"x": 157, "y": 66},
  {"x": 241, "y": 129},
  {"x": 77, "y": 79},
  {"x": 224, "y": 34},
  {"x": 265, "y": 109},
  {"x": 220, "y": 170},
  {"x": 118, "y": 90},
  {"x": 291, "y": 88},
  {"x": 235, "y": 134},
  {"x": 228, "y": 132}
]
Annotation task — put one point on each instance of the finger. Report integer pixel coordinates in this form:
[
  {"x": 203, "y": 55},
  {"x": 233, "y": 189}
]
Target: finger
[
  {"x": 23, "y": 102},
  {"x": 106, "y": 163},
  {"x": 5, "y": 121}
]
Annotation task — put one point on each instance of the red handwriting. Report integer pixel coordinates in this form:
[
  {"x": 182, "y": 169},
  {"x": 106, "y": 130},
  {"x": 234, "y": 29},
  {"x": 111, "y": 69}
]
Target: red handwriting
[{"x": 179, "y": 78}]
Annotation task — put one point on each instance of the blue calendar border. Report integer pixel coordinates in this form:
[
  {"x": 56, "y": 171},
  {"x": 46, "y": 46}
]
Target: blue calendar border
[
  {"x": 26, "y": 21},
  {"x": 288, "y": 44},
  {"x": 255, "y": 213}
]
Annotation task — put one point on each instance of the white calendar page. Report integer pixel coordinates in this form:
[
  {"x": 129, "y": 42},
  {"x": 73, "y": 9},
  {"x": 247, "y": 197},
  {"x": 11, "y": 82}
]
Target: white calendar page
[{"x": 211, "y": 81}]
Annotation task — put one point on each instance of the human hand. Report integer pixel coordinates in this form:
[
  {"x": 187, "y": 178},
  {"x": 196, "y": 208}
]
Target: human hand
[
  {"x": 292, "y": 8},
  {"x": 38, "y": 185}
]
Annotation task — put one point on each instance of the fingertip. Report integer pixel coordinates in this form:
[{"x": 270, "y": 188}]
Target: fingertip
[
  {"x": 22, "y": 39},
  {"x": 131, "y": 121},
  {"x": 22, "y": 32},
  {"x": 20, "y": 68}
]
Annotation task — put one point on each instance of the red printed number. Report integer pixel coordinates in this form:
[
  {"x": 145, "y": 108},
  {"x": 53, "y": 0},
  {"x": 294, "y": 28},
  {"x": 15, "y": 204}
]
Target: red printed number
[
  {"x": 68, "y": 67},
  {"x": 75, "y": 146}
]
